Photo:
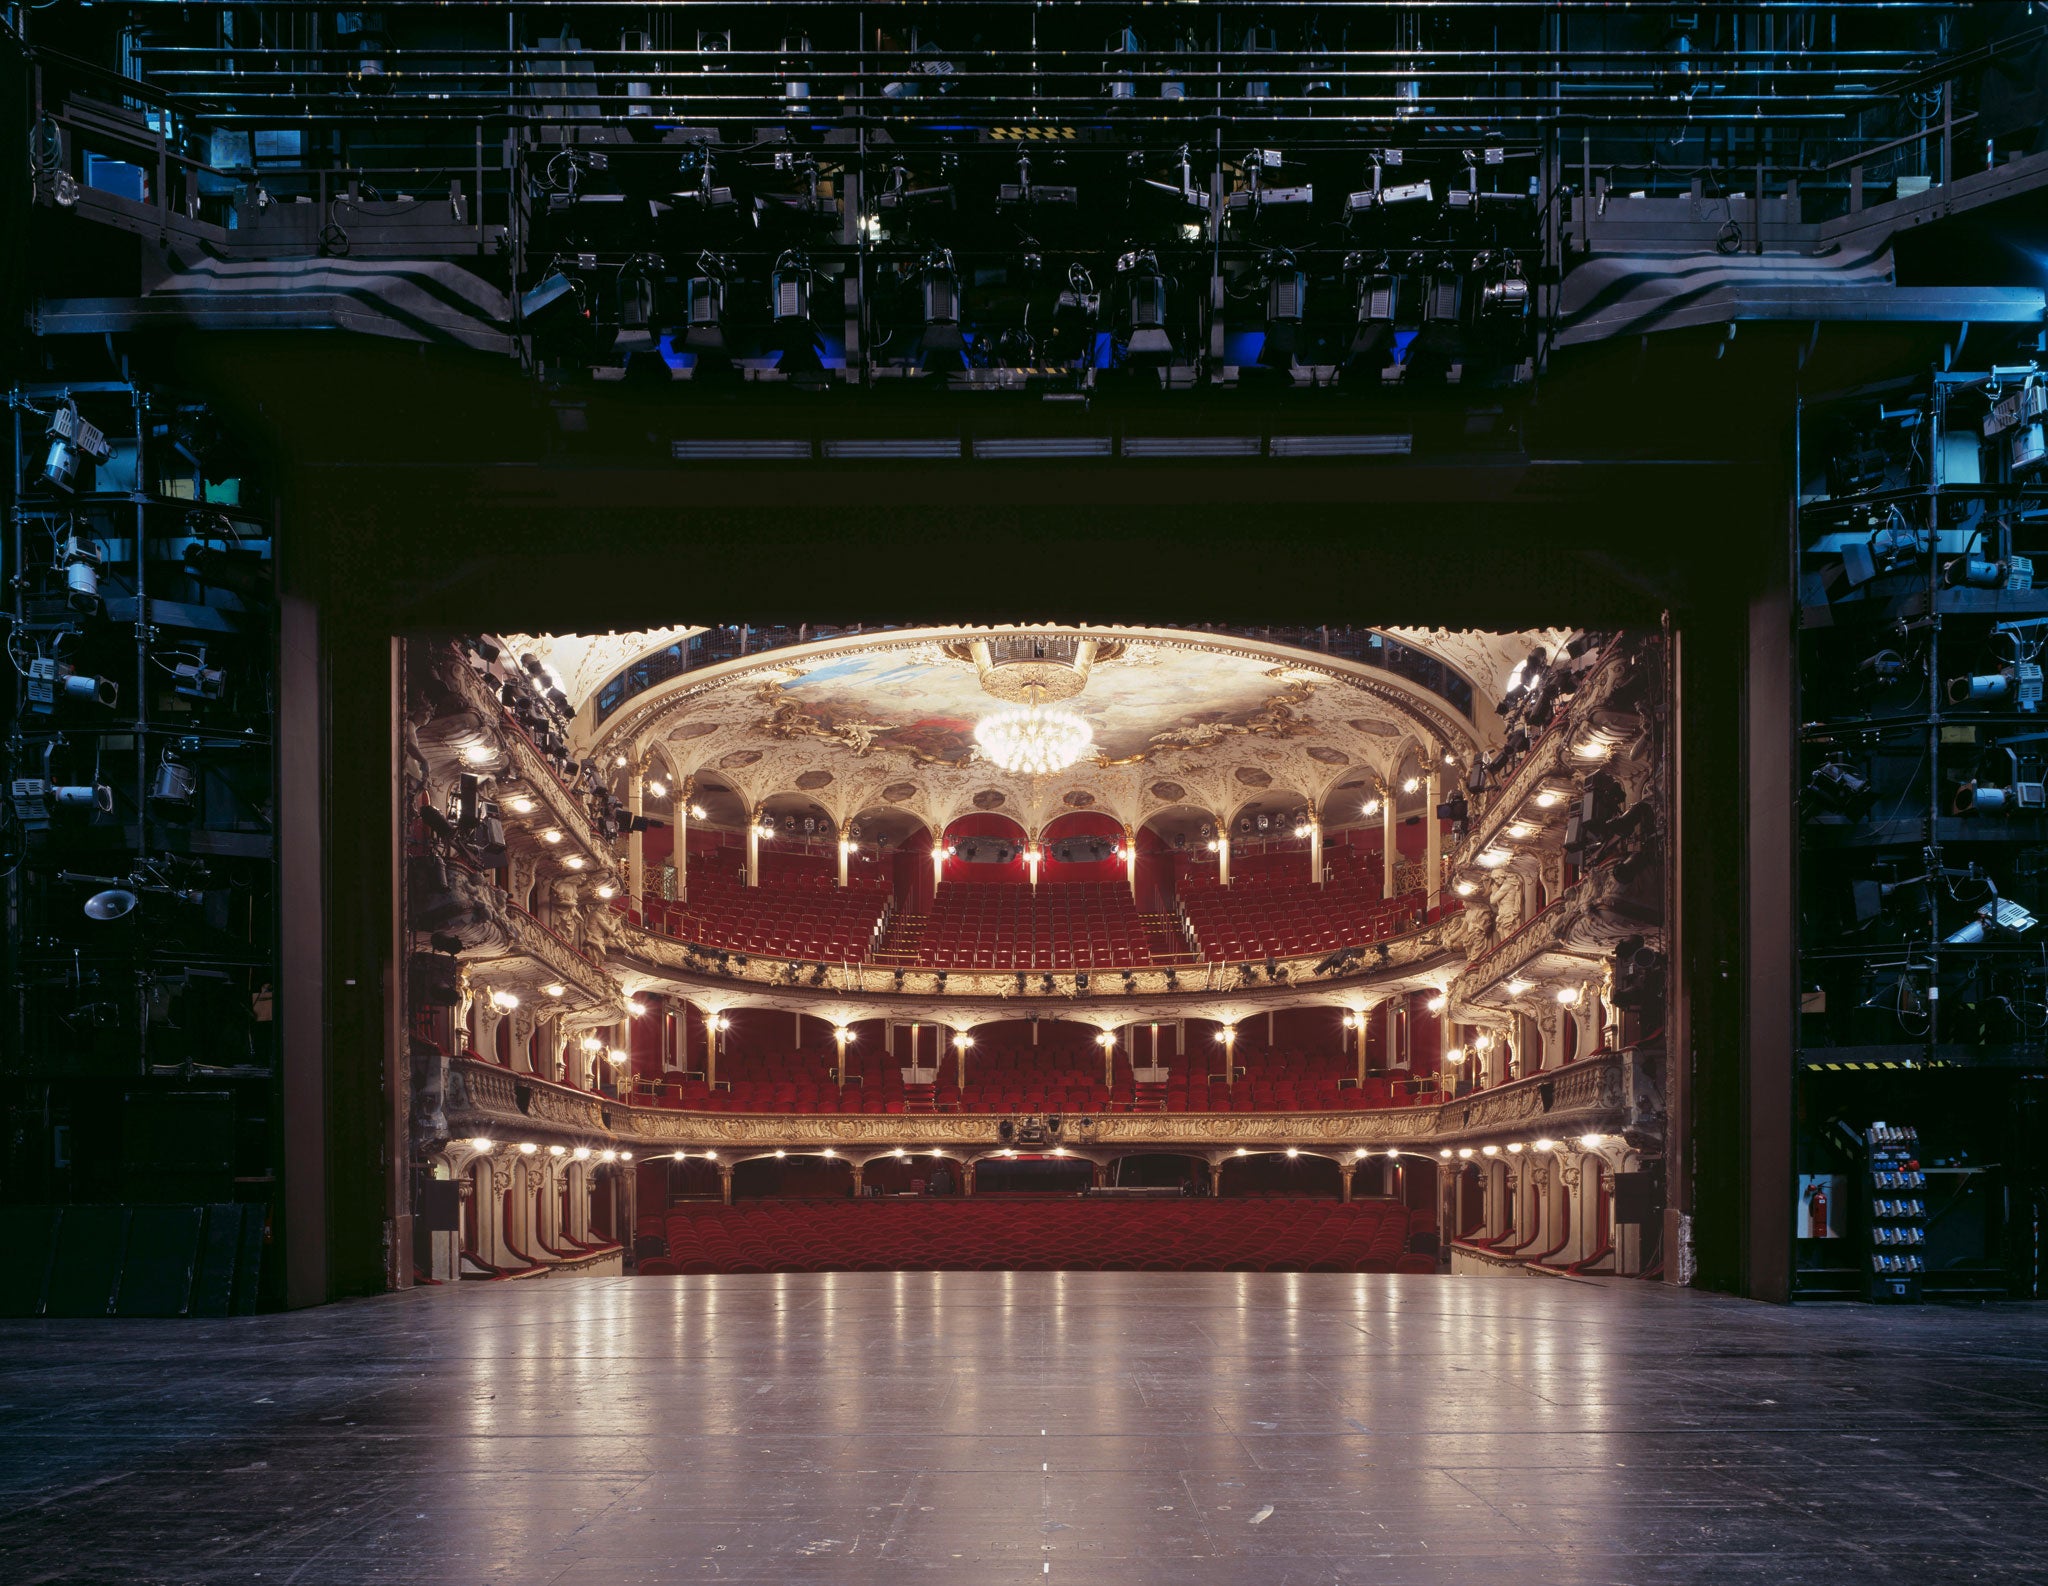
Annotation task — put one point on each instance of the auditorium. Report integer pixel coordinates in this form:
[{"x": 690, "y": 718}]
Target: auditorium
[{"x": 766, "y": 759}]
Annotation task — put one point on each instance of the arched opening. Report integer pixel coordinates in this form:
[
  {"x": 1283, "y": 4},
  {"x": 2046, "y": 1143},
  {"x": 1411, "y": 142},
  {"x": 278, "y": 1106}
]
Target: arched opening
[
  {"x": 804, "y": 852},
  {"x": 1277, "y": 1173},
  {"x": 912, "y": 1173},
  {"x": 1082, "y": 847},
  {"x": 796, "y": 1176},
  {"x": 1160, "y": 1170},
  {"x": 1032, "y": 1175}
]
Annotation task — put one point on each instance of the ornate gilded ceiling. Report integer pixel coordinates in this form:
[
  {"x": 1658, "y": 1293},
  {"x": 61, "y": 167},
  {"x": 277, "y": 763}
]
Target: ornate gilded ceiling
[{"x": 1181, "y": 720}]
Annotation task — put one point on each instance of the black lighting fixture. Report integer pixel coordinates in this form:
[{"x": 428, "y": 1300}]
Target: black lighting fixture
[
  {"x": 73, "y": 445},
  {"x": 939, "y": 295},
  {"x": 1046, "y": 984},
  {"x": 704, "y": 294},
  {"x": 1149, "y": 346}
]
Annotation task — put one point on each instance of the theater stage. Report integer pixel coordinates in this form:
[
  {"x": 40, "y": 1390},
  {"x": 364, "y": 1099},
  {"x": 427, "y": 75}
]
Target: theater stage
[{"x": 984, "y": 1428}]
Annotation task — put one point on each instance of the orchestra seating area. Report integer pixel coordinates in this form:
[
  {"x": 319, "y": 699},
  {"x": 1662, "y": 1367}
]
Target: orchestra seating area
[
  {"x": 1006, "y": 1233},
  {"x": 1271, "y": 913},
  {"x": 1085, "y": 925},
  {"x": 801, "y": 917}
]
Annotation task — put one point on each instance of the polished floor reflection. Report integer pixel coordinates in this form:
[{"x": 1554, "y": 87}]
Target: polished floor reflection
[{"x": 1029, "y": 1427}]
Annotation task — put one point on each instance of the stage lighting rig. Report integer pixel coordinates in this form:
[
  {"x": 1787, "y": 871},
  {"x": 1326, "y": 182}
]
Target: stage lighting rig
[
  {"x": 74, "y": 444},
  {"x": 79, "y": 558},
  {"x": 709, "y": 194},
  {"x": 1384, "y": 202},
  {"x": 1841, "y": 789},
  {"x": 1438, "y": 351},
  {"x": 1997, "y": 785},
  {"x": 1468, "y": 200},
  {"x": 795, "y": 336},
  {"x": 1256, "y": 206},
  {"x": 1075, "y": 313},
  {"x": 1372, "y": 329},
  {"x": 1026, "y": 195},
  {"x": 2012, "y": 573},
  {"x": 1183, "y": 190},
  {"x": 704, "y": 295},
  {"x": 1150, "y": 345},
  {"x": 939, "y": 297},
  {"x": 55, "y": 685},
  {"x": 1893, "y": 542},
  {"x": 1504, "y": 290},
  {"x": 899, "y": 197},
  {"x": 931, "y": 71},
  {"x": 1286, "y": 286}
]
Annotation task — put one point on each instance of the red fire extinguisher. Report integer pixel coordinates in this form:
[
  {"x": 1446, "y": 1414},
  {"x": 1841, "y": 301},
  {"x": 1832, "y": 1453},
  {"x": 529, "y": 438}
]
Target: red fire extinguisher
[{"x": 1817, "y": 1213}]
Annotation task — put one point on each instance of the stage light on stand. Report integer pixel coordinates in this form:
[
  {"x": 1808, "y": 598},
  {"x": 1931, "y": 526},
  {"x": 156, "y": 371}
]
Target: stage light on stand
[
  {"x": 54, "y": 684},
  {"x": 1150, "y": 346},
  {"x": 704, "y": 309},
  {"x": 74, "y": 445}
]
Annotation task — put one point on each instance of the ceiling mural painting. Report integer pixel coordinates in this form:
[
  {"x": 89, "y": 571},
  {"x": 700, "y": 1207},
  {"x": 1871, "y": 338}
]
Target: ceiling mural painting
[{"x": 869, "y": 721}]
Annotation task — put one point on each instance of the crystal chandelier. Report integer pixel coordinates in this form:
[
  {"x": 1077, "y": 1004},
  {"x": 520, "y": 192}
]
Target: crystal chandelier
[{"x": 1034, "y": 739}]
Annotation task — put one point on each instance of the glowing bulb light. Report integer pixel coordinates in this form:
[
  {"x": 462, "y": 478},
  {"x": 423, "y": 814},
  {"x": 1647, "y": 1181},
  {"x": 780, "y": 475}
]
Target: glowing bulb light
[{"x": 1035, "y": 740}]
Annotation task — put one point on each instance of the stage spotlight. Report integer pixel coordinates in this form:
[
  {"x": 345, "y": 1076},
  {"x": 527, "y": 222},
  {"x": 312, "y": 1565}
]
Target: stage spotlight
[
  {"x": 75, "y": 444},
  {"x": 2020, "y": 686},
  {"x": 80, "y": 558},
  {"x": 939, "y": 289},
  {"x": 1150, "y": 346},
  {"x": 54, "y": 684},
  {"x": 795, "y": 338},
  {"x": 704, "y": 308}
]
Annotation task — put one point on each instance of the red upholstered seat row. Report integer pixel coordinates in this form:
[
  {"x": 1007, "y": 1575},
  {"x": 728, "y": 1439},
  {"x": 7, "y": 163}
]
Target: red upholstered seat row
[
  {"x": 793, "y": 921},
  {"x": 1091, "y": 925},
  {"x": 1244, "y": 923},
  {"x": 996, "y": 1233}
]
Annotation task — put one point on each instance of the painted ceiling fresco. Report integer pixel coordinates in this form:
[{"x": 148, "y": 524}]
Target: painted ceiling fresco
[{"x": 1146, "y": 700}]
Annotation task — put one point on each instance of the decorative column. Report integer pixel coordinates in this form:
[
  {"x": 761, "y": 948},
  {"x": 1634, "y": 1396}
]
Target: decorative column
[
  {"x": 839, "y": 1035},
  {"x": 754, "y": 848},
  {"x": 1315, "y": 848},
  {"x": 845, "y": 851},
  {"x": 1344, "y": 1172},
  {"x": 857, "y": 1181},
  {"x": 1389, "y": 826},
  {"x": 1433, "y": 877},
  {"x": 682, "y": 853},
  {"x": 938, "y": 859},
  {"x": 1223, "y": 853},
  {"x": 1107, "y": 1042},
  {"x": 636, "y": 842},
  {"x": 713, "y": 1023},
  {"x": 725, "y": 1181},
  {"x": 961, "y": 1042},
  {"x": 1131, "y": 860},
  {"x": 1357, "y": 1021},
  {"x": 1228, "y": 1036},
  {"x": 967, "y": 1178}
]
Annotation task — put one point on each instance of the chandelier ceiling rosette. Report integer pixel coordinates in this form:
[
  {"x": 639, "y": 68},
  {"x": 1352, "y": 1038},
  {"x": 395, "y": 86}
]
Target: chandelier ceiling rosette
[{"x": 1034, "y": 739}]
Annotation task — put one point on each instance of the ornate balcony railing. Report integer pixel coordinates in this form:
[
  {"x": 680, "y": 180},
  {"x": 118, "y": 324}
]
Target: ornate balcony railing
[{"x": 1617, "y": 1093}]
